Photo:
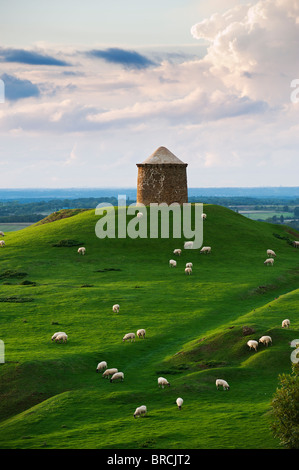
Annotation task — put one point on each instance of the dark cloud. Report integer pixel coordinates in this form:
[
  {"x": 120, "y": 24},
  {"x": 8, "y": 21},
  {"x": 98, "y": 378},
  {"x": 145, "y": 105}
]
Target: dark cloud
[
  {"x": 28, "y": 57},
  {"x": 16, "y": 89},
  {"x": 128, "y": 59}
]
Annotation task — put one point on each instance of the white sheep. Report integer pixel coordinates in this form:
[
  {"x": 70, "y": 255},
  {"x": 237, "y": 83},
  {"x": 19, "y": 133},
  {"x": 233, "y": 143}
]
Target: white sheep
[
  {"x": 206, "y": 249},
  {"x": 177, "y": 251},
  {"x": 252, "y": 344},
  {"x": 189, "y": 265},
  {"x": 203, "y": 216},
  {"x": 162, "y": 382},
  {"x": 269, "y": 261},
  {"x": 296, "y": 244},
  {"x": 223, "y": 383},
  {"x": 62, "y": 337},
  {"x": 109, "y": 372},
  {"x": 188, "y": 271},
  {"x": 141, "y": 410},
  {"x": 2, "y": 243},
  {"x": 115, "y": 308},
  {"x": 141, "y": 333},
  {"x": 117, "y": 375},
  {"x": 265, "y": 340},
  {"x": 188, "y": 245},
  {"x": 271, "y": 253},
  {"x": 82, "y": 250},
  {"x": 179, "y": 402},
  {"x": 172, "y": 263},
  {"x": 101, "y": 365},
  {"x": 1, "y": 234},
  {"x": 139, "y": 215},
  {"x": 286, "y": 323},
  {"x": 130, "y": 336},
  {"x": 57, "y": 334}
]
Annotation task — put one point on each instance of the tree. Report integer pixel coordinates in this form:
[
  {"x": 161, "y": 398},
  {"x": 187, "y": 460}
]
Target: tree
[
  {"x": 296, "y": 212},
  {"x": 285, "y": 407}
]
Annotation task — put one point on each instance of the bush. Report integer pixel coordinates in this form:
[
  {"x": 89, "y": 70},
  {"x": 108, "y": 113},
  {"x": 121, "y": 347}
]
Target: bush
[{"x": 285, "y": 404}]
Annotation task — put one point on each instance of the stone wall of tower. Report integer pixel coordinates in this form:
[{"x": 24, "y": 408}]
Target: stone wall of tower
[{"x": 162, "y": 183}]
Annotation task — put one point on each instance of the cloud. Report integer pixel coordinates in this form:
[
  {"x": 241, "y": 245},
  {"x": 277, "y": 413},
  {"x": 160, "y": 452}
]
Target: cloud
[
  {"x": 128, "y": 59},
  {"x": 16, "y": 88},
  {"x": 23, "y": 56}
]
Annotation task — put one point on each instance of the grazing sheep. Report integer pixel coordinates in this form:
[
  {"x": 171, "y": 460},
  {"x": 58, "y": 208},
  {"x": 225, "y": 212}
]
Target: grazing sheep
[
  {"x": 62, "y": 337},
  {"x": 286, "y": 323},
  {"x": 101, "y": 365},
  {"x": 141, "y": 410},
  {"x": 177, "y": 251},
  {"x": 139, "y": 215},
  {"x": 265, "y": 340},
  {"x": 188, "y": 271},
  {"x": 117, "y": 375},
  {"x": 188, "y": 245},
  {"x": 1, "y": 234},
  {"x": 206, "y": 249},
  {"x": 140, "y": 333},
  {"x": 82, "y": 250},
  {"x": 162, "y": 381},
  {"x": 109, "y": 372},
  {"x": 252, "y": 344},
  {"x": 203, "y": 216},
  {"x": 179, "y": 402},
  {"x": 57, "y": 334},
  {"x": 271, "y": 253},
  {"x": 189, "y": 265},
  {"x": 172, "y": 263},
  {"x": 296, "y": 244},
  {"x": 223, "y": 383},
  {"x": 130, "y": 336},
  {"x": 115, "y": 308},
  {"x": 269, "y": 261},
  {"x": 2, "y": 243}
]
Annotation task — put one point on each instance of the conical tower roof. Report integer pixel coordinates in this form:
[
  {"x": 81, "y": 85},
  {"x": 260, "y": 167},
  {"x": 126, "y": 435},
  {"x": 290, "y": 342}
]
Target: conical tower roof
[{"x": 161, "y": 156}]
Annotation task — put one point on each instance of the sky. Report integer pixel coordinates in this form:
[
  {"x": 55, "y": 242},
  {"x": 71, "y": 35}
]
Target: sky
[{"x": 93, "y": 87}]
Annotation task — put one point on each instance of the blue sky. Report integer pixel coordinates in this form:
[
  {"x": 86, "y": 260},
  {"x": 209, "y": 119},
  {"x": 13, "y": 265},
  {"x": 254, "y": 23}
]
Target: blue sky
[{"x": 94, "y": 87}]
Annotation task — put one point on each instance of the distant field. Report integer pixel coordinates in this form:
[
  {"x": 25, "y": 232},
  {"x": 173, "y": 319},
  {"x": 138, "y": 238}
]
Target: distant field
[
  {"x": 263, "y": 215},
  {"x": 13, "y": 227}
]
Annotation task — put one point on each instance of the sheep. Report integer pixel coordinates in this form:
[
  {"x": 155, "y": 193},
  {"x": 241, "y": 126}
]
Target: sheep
[
  {"x": 1, "y": 234},
  {"x": 223, "y": 383},
  {"x": 116, "y": 376},
  {"x": 296, "y": 244},
  {"x": 172, "y": 263},
  {"x": 188, "y": 271},
  {"x": 179, "y": 402},
  {"x": 269, "y": 261},
  {"x": 62, "y": 337},
  {"x": 57, "y": 334},
  {"x": 101, "y": 365},
  {"x": 203, "y": 216},
  {"x": 130, "y": 336},
  {"x": 286, "y": 323},
  {"x": 140, "y": 333},
  {"x": 189, "y": 265},
  {"x": 177, "y": 251},
  {"x": 252, "y": 344},
  {"x": 82, "y": 250},
  {"x": 162, "y": 381},
  {"x": 2, "y": 243},
  {"x": 206, "y": 249},
  {"x": 265, "y": 340},
  {"x": 271, "y": 253},
  {"x": 141, "y": 410},
  {"x": 109, "y": 372},
  {"x": 188, "y": 245},
  {"x": 115, "y": 308},
  {"x": 139, "y": 215}
]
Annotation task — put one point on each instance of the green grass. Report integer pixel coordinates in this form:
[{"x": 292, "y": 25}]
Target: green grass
[{"x": 51, "y": 395}]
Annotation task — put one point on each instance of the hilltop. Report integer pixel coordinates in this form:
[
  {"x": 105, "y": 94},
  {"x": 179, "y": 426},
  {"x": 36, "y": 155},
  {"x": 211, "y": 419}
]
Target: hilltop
[{"x": 51, "y": 395}]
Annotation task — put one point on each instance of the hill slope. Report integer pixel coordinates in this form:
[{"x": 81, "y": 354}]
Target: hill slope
[{"x": 51, "y": 395}]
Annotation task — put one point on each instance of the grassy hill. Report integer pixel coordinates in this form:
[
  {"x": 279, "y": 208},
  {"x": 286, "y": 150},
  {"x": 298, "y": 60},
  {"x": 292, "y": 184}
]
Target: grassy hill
[{"x": 51, "y": 395}]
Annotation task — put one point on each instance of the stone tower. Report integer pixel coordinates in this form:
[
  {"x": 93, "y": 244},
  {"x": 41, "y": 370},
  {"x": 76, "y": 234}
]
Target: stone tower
[{"x": 162, "y": 177}]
